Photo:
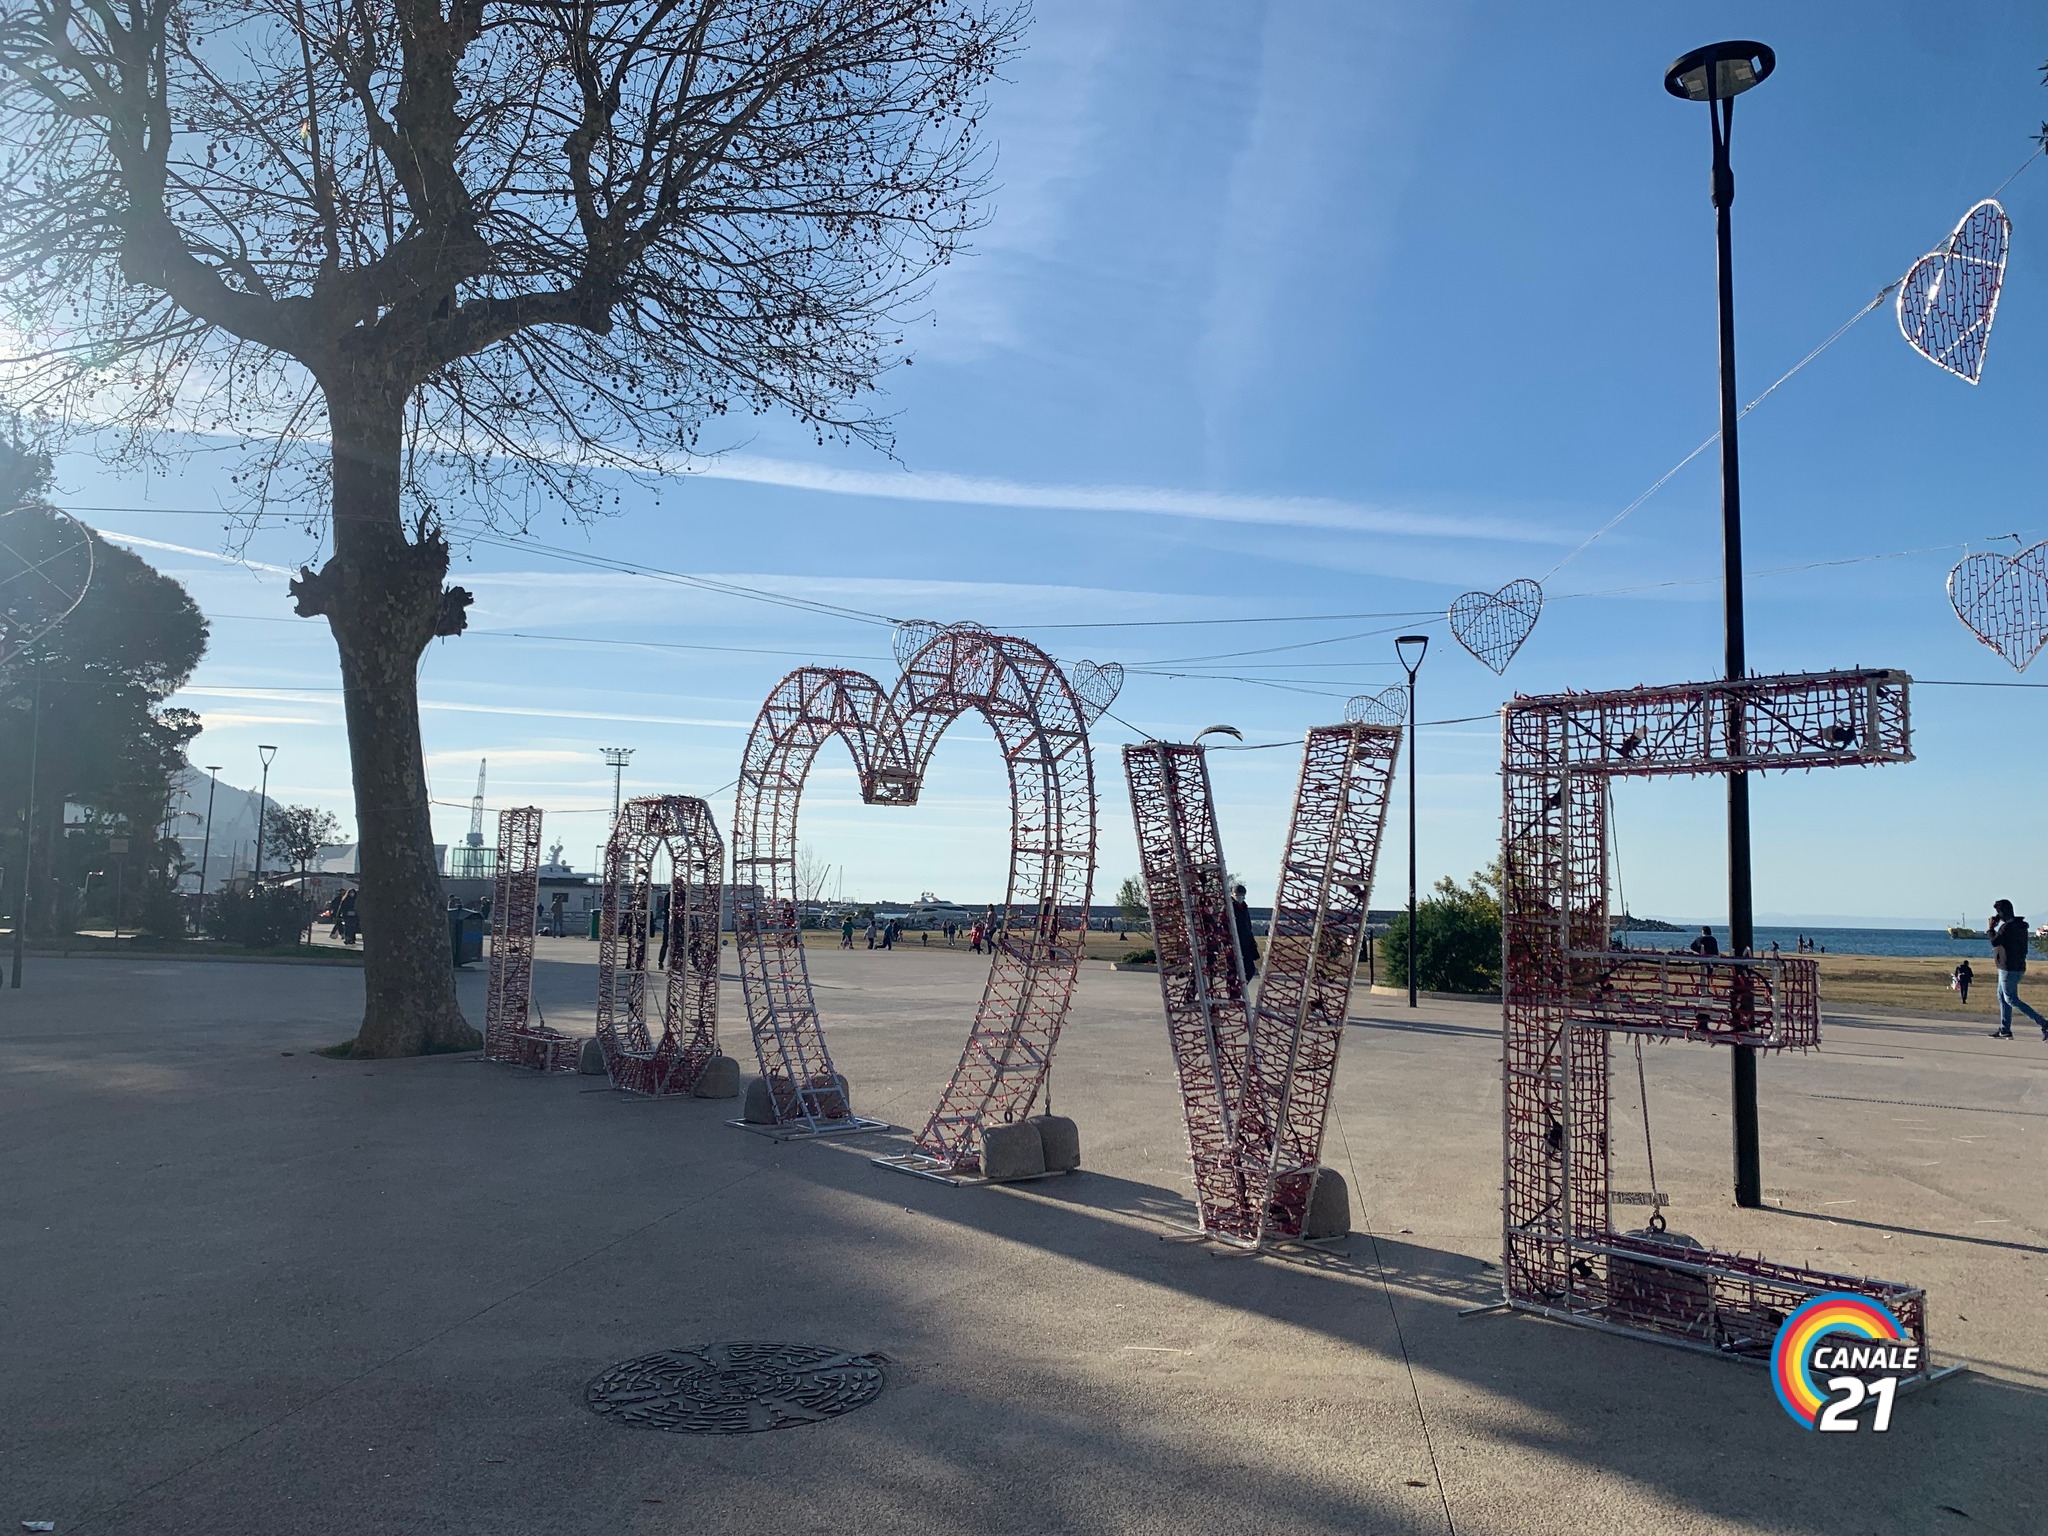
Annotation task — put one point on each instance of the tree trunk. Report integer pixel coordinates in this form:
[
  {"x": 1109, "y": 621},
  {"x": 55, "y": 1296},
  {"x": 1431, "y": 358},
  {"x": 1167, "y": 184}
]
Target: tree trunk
[{"x": 382, "y": 597}]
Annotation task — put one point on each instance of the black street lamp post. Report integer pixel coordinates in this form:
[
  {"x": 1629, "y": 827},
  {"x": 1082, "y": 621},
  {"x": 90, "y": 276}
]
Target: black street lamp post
[
  {"x": 262, "y": 808},
  {"x": 206, "y": 842},
  {"x": 1716, "y": 75},
  {"x": 28, "y": 827},
  {"x": 1421, "y": 647}
]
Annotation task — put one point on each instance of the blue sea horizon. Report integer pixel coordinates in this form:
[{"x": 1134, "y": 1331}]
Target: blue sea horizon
[{"x": 1834, "y": 941}]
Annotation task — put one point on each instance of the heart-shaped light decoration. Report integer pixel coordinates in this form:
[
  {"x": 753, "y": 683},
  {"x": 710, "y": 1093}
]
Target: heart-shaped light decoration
[
  {"x": 912, "y": 636},
  {"x": 2004, "y": 601},
  {"x": 1947, "y": 301},
  {"x": 1493, "y": 625},
  {"x": 46, "y": 564},
  {"x": 1028, "y": 704},
  {"x": 1096, "y": 687},
  {"x": 1387, "y": 707}
]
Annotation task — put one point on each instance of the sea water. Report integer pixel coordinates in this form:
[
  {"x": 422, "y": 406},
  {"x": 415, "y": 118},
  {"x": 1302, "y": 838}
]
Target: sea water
[{"x": 1836, "y": 941}]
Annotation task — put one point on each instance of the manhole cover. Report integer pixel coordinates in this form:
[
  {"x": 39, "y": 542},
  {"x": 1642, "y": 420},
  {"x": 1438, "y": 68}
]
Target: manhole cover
[{"x": 735, "y": 1389}]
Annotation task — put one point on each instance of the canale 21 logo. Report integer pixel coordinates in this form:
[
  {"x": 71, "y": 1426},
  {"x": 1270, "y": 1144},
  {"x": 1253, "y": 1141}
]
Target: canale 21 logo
[{"x": 1838, "y": 1354}]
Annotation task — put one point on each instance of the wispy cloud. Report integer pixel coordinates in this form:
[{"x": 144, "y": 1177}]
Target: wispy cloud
[
  {"x": 1145, "y": 500},
  {"x": 331, "y": 697},
  {"x": 214, "y": 718},
  {"x": 504, "y": 756},
  {"x": 451, "y": 706},
  {"x": 203, "y": 554}
]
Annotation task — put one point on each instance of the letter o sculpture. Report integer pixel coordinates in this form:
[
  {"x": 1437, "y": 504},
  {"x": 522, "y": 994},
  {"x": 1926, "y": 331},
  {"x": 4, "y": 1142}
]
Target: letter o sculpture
[
  {"x": 1042, "y": 727},
  {"x": 634, "y": 1061}
]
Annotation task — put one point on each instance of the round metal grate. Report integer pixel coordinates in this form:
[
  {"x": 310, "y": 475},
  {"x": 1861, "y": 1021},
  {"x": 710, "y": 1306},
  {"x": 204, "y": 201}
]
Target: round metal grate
[{"x": 735, "y": 1389}]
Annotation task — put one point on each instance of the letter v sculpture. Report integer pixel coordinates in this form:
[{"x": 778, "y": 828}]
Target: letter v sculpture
[{"x": 1256, "y": 1072}]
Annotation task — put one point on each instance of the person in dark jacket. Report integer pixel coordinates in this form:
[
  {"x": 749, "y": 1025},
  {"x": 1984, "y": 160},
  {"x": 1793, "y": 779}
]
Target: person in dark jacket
[
  {"x": 2008, "y": 936},
  {"x": 1247, "y": 941},
  {"x": 1960, "y": 978},
  {"x": 1706, "y": 943}
]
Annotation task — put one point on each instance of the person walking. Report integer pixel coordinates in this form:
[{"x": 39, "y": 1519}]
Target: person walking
[
  {"x": 2008, "y": 936},
  {"x": 1247, "y": 941},
  {"x": 870, "y": 930},
  {"x": 345, "y": 910},
  {"x": 846, "y": 931},
  {"x": 1960, "y": 979}
]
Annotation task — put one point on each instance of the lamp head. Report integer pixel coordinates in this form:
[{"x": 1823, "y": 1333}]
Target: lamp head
[
  {"x": 1418, "y": 643},
  {"x": 1719, "y": 71},
  {"x": 266, "y": 753}
]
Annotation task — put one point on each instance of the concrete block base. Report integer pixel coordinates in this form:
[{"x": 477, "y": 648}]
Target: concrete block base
[
  {"x": 759, "y": 1108},
  {"x": 591, "y": 1061},
  {"x": 1011, "y": 1151},
  {"x": 1061, "y": 1139},
  {"x": 721, "y": 1079},
  {"x": 1329, "y": 1206}
]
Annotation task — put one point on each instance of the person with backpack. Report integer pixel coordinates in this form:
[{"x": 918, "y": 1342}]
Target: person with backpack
[{"x": 2008, "y": 936}]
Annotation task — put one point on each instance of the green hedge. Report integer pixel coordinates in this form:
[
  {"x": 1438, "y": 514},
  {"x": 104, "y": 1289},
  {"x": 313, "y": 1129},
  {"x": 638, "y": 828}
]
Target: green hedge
[{"x": 1457, "y": 939}]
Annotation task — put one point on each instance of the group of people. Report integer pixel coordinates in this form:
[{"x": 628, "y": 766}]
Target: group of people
[
  {"x": 1707, "y": 944},
  {"x": 884, "y": 934},
  {"x": 341, "y": 912},
  {"x": 879, "y": 935}
]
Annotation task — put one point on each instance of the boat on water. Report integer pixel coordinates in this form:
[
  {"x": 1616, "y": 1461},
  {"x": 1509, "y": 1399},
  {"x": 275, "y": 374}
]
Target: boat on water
[{"x": 1958, "y": 931}]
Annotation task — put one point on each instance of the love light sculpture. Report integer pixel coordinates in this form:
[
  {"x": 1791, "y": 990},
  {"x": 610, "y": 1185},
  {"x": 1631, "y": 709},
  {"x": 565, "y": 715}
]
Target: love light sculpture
[
  {"x": 1256, "y": 1072},
  {"x": 1567, "y": 991},
  {"x": 1040, "y": 723}
]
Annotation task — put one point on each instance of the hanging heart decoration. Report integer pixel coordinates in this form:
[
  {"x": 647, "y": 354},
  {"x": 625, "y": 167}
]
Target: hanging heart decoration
[
  {"x": 1387, "y": 707},
  {"x": 912, "y": 636},
  {"x": 1096, "y": 687},
  {"x": 1947, "y": 301},
  {"x": 1493, "y": 625},
  {"x": 46, "y": 564},
  {"x": 2004, "y": 601}
]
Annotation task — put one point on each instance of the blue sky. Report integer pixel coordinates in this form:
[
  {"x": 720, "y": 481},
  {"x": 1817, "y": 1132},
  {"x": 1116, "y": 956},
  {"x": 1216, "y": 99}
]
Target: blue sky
[{"x": 1323, "y": 308}]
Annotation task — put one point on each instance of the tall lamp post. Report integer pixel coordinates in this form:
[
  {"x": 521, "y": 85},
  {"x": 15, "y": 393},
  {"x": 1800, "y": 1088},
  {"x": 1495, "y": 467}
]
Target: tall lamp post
[
  {"x": 206, "y": 842},
  {"x": 1716, "y": 75},
  {"x": 262, "y": 806},
  {"x": 28, "y": 827},
  {"x": 1420, "y": 645},
  {"x": 615, "y": 758}
]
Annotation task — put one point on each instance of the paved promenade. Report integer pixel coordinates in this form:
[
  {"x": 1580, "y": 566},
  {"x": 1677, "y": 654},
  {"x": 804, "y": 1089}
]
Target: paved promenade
[{"x": 248, "y": 1289}]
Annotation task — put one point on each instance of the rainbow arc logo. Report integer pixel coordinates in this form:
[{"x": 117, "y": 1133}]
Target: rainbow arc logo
[{"x": 1858, "y": 1349}]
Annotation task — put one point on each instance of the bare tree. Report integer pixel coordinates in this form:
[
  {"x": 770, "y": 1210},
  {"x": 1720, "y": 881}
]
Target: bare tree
[
  {"x": 811, "y": 874},
  {"x": 414, "y": 251},
  {"x": 1130, "y": 903}
]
